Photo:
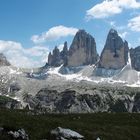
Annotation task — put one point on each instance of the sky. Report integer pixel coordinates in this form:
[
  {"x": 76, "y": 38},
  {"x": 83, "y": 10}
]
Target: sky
[{"x": 30, "y": 29}]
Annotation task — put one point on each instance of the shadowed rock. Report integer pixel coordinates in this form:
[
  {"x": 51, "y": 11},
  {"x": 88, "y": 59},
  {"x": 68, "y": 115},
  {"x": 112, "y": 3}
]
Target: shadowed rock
[
  {"x": 135, "y": 58},
  {"x": 115, "y": 52},
  {"x": 82, "y": 50},
  {"x": 3, "y": 60}
]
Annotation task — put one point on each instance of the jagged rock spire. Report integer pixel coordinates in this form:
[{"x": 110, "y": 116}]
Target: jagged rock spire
[
  {"x": 115, "y": 52},
  {"x": 135, "y": 58},
  {"x": 3, "y": 60},
  {"x": 82, "y": 50}
]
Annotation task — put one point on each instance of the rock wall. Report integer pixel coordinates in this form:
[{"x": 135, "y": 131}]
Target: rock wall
[
  {"x": 3, "y": 60},
  {"x": 115, "y": 52},
  {"x": 135, "y": 58},
  {"x": 82, "y": 50}
]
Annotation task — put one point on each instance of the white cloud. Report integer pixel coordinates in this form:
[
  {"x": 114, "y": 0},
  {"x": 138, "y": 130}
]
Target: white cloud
[
  {"x": 54, "y": 33},
  {"x": 117, "y": 27},
  {"x": 21, "y": 57},
  {"x": 60, "y": 47},
  {"x": 123, "y": 35},
  {"x": 112, "y": 23},
  {"x": 110, "y": 7},
  {"x": 134, "y": 23}
]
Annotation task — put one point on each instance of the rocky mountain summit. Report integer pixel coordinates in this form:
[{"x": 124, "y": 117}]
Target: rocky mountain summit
[
  {"x": 115, "y": 52},
  {"x": 3, "y": 60},
  {"x": 61, "y": 86},
  {"x": 135, "y": 58},
  {"x": 81, "y": 52},
  {"x": 57, "y": 58}
]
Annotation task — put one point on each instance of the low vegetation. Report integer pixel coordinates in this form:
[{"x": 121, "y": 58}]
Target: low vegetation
[{"x": 107, "y": 126}]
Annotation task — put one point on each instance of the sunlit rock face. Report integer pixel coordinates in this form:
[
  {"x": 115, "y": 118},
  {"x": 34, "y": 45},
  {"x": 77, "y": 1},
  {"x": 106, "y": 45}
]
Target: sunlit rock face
[
  {"x": 135, "y": 58},
  {"x": 82, "y": 50},
  {"x": 115, "y": 52}
]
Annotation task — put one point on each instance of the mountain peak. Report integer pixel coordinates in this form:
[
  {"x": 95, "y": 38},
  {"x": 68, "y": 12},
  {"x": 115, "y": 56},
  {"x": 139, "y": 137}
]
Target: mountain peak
[
  {"x": 113, "y": 31},
  {"x": 82, "y": 50},
  {"x": 3, "y": 60},
  {"x": 115, "y": 52}
]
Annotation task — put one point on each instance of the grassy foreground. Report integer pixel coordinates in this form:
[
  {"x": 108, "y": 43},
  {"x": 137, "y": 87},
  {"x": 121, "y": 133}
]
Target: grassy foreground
[{"x": 107, "y": 126}]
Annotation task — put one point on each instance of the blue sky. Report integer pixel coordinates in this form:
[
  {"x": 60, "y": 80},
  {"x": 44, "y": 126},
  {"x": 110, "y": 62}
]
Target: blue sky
[{"x": 29, "y": 29}]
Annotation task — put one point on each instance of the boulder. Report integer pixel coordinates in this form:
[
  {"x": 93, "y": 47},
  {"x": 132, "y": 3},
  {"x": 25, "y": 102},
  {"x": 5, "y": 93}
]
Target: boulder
[
  {"x": 66, "y": 134},
  {"x": 19, "y": 134},
  {"x": 12, "y": 134}
]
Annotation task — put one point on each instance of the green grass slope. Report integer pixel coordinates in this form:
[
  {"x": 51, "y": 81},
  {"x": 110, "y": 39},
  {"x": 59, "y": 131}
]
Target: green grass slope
[{"x": 107, "y": 126}]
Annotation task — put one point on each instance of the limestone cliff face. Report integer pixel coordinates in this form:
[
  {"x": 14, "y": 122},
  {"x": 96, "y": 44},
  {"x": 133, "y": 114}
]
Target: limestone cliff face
[
  {"x": 57, "y": 58},
  {"x": 54, "y": 58},
  {"x": 115, "y": 52},
  {"x": 135, "y": 58},
  {"x": 64, "y": 54},
  {"x": 82, "y": 50},
  {"x": 3, "y": 60}
]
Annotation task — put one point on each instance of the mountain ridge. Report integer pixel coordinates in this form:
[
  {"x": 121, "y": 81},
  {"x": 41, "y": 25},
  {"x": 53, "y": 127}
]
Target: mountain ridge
[
  {"x": 113, "y": 56},
  {"x": 77, "y": 87}
]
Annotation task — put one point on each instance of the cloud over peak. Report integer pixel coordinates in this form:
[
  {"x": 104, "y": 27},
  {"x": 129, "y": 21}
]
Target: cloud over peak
[
  {"x": 21, "y": 57},
  {"x": 110, "y": 7},
  {"x": 134, "y": 24},
  {"x": 54, "y": 33}
]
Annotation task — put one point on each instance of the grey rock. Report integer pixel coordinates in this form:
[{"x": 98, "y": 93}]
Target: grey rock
[
  {"x": 66, "y": 134},
  {"x": 3, "y": 60},
  {"x": 86, "y": 100},
  {"x": 135, "y": 58},
  {"x": 136, "y": 107},
  {"x": 103, "y": 72},
  {"x": 1, "y": 129},
  {"x": 57, "y": 58},
  {"x": 82, "y": 50},
  {"x": 115, "y": 52},
  {"x": 19, "y": 134},
  {"x": 6, "y": 102},
  {"x": 54, "y": 59},
  {"x": 64, "y": 54}
]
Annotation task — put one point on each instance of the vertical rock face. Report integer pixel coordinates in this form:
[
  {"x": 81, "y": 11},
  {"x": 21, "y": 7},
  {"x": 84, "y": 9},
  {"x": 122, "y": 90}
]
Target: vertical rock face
[
  {"x": 57, "y": 58},
  {"x": 64, "y": 54},
  {"x": 3, "y": 60},
  {"x": 54, "y": 59},
  {"x": 82, "y": 50},
  {"x": 115, "y": 52},
  {"x": 135, "y": 58}
]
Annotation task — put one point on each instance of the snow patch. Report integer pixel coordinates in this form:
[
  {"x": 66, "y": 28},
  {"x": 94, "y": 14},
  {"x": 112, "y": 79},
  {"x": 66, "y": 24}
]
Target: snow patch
[
  {"x": 77, "y": 77},
  {"x": 12, "y": 71},
  {"x": 129, "y": 60}
]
